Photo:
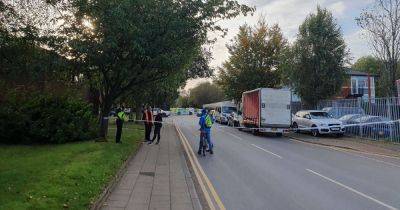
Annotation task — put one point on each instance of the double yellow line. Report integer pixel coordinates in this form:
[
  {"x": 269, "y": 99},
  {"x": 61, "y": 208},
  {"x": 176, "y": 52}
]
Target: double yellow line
[{"x": 214, "y": 201}]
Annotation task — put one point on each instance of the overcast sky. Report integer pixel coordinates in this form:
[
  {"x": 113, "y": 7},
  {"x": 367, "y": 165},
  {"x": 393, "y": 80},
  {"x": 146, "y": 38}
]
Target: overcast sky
[{"x": 289, "y": 14}]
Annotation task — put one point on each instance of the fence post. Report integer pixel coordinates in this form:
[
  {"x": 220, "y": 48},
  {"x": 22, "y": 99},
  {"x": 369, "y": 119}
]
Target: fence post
[
  {"x": 389, "y": 114},
  {"x": 359, "y": 106}
]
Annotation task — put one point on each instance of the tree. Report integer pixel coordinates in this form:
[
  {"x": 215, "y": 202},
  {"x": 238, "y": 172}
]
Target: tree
[
  {"x": 253, "y": 60},
  {"x": 127, "y": 44},
  {"x": 381, "y": 23},
  {"x": 315, "y": 62},
  {"x": 205, "y": 93},
  {"x": 164, "y": 93},
  {"x": 368, "y": 64},
  {"x": 372, "y": 65}
]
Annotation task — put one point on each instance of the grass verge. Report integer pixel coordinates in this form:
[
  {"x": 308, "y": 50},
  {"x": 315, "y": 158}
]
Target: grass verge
[{"x": 62, "y": 176}]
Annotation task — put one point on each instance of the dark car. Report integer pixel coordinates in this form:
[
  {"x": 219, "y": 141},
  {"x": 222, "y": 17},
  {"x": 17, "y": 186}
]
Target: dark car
[
  {"x": 350, "y": 118},
  {"x": 337, "y": 112},
  {"x": 370, "y": 126}
]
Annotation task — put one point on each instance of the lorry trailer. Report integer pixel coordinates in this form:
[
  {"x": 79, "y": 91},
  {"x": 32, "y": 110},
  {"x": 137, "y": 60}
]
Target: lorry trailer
[{"x": 267, "y": 110}]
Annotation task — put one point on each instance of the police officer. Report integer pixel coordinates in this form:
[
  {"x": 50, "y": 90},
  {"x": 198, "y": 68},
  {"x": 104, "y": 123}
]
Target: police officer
[
  {"x": 120, "y": 121},
  {"x": 157, "y": 127}
]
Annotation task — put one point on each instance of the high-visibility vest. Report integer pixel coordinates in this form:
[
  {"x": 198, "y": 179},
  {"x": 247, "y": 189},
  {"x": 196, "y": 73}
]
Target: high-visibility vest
[
  {"x": 208, "y": 121},
  {"x": 121, "y": 116}
]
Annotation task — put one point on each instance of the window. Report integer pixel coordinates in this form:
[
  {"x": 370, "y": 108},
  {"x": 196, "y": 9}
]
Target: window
[
  {"x": 319, "y": 115},
  {"x": 359, "y": 85},
  {"x": 354, "y": 86},
  {"x": 226, "y": 109}
]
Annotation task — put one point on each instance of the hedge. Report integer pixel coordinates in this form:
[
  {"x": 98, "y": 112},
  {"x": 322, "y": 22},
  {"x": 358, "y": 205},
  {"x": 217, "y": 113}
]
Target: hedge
[{"x": 45, "y": 118}]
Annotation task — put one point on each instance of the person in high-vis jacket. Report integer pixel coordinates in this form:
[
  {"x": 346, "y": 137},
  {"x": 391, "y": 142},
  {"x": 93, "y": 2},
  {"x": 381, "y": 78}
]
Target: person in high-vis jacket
[
  {"x": 121, "y": 117},
  {"x": 206, "y": 121}
]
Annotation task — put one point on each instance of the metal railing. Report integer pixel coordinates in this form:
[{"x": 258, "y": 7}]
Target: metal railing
[{"x": 376, "y": 119}]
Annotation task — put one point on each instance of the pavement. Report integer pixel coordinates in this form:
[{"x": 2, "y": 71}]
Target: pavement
[
  {"x": 156, "y": 178},
  {"x": 267, "y": 172},
  {"x": 362, "y": 145}
]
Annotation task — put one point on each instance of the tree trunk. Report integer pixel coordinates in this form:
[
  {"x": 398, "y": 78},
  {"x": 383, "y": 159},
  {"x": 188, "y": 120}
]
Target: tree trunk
[
  {"x": 105, "y": 110},
  {"x": 93, "y": 97},
  {"x": 393, "y": 78},
  {"x": 138, "y": 112}
]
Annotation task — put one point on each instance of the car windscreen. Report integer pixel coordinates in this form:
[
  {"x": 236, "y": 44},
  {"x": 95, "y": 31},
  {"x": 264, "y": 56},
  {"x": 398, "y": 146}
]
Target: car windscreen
[
  {"x": 319, "y": 115},
  {"x": 227, "y": 109}
]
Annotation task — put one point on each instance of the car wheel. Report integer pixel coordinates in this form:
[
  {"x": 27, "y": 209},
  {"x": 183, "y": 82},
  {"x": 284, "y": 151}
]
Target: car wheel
[
  {"x": 296, "y": 127},
  {"x": 314, "y": 131},
  {"x": 279, "y": 134},
  {"x": 255, "y": 132}
]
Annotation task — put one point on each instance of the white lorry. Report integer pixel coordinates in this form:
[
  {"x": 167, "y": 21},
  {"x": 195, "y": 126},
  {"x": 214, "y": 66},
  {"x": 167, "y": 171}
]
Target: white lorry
[{"x": 267, "y": 110}]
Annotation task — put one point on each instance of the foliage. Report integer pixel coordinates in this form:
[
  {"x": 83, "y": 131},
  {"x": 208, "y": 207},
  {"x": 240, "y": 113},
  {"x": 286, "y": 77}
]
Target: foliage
[
  {"x": 381, "y": 23},
  {"x": 164, "y": 93},
  {"x": 183, "y": 101},
  {"x": 253, "y": 60},
  {"x": 128, "y": 44},
  {"x": 120, "y": 46},
  {"x": 314, "y": 65},
  {"x": 370, "y": 64},
  {"x": 74, "y": 174},
  {"x": 205, "y": 93},
  {"x": 44, "y": 118}
]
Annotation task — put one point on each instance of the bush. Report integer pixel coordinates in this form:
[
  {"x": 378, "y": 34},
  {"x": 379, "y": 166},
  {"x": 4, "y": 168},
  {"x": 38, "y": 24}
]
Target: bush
[{"x": 45, "y": 118}]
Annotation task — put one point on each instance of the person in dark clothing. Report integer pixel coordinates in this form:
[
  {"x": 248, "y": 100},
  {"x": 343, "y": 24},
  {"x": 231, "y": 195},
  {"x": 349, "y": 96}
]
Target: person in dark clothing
[
  {"x": 157, "y": 128},
  {"x": 148, "y": 122},
  {"x": 120, "y": 122}
]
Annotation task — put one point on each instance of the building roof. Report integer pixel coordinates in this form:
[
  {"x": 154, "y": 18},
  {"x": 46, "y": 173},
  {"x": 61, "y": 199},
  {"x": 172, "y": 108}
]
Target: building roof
[{"x": 352, "y": 72}]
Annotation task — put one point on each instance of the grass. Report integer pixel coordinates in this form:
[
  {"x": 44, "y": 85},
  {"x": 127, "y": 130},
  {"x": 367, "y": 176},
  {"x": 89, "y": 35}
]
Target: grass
[{"x": 62, "y": 176}]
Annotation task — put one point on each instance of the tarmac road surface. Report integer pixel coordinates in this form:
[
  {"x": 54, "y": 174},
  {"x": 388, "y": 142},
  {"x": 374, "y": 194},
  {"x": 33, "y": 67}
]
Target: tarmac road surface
[{"x": 259, "y": 172}]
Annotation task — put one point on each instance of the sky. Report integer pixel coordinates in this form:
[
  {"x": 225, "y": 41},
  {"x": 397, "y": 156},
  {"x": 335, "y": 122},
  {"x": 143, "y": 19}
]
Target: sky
[{"x": 289, "y": 14}]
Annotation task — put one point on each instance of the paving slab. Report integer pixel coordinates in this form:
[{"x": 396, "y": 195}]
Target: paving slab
[{"x": 156, "y": 178}]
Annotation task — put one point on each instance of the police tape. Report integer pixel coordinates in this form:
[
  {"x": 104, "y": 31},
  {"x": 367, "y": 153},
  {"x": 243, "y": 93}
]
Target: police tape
[
  {"x": 291, "y": 128},
  {"x": 325, "y": 126}
]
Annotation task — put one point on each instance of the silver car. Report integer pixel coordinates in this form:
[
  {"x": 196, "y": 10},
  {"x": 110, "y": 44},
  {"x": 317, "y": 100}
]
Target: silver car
[{"x": 317, "y": 122}]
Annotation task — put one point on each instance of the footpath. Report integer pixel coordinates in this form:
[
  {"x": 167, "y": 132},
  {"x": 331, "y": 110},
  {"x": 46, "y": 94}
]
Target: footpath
[
  {"x": 361, "y": 145},
  {"x": 156, "y": 178}
]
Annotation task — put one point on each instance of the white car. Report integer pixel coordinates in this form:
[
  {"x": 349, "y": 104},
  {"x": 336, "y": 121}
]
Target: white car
[
  {"x": 163, "y": 113},
  {"x": 317, "y": 122}
]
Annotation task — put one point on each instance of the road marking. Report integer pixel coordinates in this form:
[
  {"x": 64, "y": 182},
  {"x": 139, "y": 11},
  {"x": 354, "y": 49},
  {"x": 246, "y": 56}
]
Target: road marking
[
  {"x": 231, "y": 134},
  {"x": 352, "y": 190},
  {"x": 266, "y": 151},
  {"x": 200, "y": 176}
]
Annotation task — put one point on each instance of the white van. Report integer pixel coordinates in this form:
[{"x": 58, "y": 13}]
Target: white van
[{"x": 222, "y": 110}]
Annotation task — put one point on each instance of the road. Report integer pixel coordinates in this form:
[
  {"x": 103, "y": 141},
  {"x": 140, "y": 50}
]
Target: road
[{"x": 259, "y": 172}]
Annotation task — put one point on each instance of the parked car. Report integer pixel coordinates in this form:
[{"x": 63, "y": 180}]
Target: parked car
[
  {"x": 317, "y": 122},
  {"x": 221, "y": 110},
  {"x": 371, "y": 126},
  {"x": 234, "y": 119},
  {"x": 163, "y": 113},
  {"x": 337, "y": 112},
  {"x": 350, "y": 118}
]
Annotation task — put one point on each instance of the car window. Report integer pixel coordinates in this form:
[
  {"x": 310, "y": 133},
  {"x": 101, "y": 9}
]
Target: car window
[
  {"x": 375, "y": 119},
  {"x": 319, "y": 115},
  {"x": 226, "y": 109}
]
